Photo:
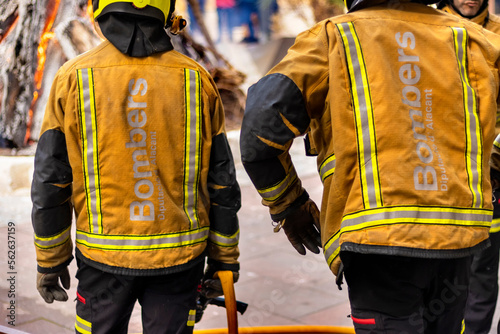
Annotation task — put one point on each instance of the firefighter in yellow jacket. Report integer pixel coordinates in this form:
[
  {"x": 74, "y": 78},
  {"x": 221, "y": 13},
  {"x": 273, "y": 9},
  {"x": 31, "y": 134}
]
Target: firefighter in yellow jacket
[
  {"x": 483, "y": 285},
  {"x": 399, "y": 102},
  {"x": 133, "y": 143}
]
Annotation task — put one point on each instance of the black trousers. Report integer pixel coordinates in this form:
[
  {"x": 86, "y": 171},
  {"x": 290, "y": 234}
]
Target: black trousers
[
  {"x": 483, "y": 288},
  {"x": 403, "y": 295},
  {"x": 105, "y": 301}
]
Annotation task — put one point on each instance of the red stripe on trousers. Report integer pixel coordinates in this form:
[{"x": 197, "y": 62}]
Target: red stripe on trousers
[
  {"x": 363, "y": 321},
  {"x": 80, "y": 298}
]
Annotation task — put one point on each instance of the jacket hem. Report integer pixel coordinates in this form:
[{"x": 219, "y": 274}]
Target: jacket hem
[
  {"x": 414, "y": 252},
  {"x": 140, "y": 272}
]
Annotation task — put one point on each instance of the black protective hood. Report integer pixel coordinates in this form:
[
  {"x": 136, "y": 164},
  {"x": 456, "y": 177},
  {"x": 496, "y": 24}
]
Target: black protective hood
[{"x": 135, "y": 36}]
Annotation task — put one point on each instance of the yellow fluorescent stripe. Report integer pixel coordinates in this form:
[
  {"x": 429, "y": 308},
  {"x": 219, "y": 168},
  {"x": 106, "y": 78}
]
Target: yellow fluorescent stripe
[
  {"x": 476, "y": 189},
  {"x": 142, "y": 247},
  {"x": 53, "y": 237},
  {"x": 369, "y": 112},
  {"x": 188, "y": 142},
  {"x": 198, "y": 139},
  {"x": 52, "y": 246},
  {"x": 83, "y": 321},
  {"x": 81, "y": 330},
  {"x": 149, "y": 237},
  {"x": 95, "y": 150},
  {"x": 84, "y": 144},
  {"x": 290, "y": 179}
]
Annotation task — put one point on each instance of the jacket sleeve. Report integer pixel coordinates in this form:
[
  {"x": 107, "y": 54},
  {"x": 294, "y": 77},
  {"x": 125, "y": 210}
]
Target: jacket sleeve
[
  {"x": 225, "y": 199},
  {"x": 51, "y": 191},
  {"x": 279, "y": 108}
]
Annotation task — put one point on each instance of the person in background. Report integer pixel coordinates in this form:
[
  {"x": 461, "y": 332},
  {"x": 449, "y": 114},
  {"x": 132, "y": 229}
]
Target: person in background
[
  {"x": 267, "y": 8},
  {"x": 193, "y": 25},
  {"x": 133, "y": 144},
  {"x": 226, "y": 16},
  {"x": 249, "y": 18},
  {"x": 403, "y": 148},
  {"x": 483, "y": 287}
]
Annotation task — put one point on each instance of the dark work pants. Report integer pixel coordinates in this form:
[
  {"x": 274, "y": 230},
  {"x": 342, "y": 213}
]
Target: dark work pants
[
  {"x": 105, "y": 301},
  {"x": 403, "y": 295},
  {"x": 483, "y": 288}
]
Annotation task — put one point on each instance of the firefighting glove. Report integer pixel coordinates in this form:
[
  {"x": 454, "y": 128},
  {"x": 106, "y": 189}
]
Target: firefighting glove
[
  {"x": 211, "y": 286},
  {"x": 302, "y": 228},
  {"x": 49, "y": 288}
]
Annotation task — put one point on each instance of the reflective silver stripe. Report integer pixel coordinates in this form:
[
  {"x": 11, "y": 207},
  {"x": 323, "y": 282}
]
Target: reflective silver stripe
[
  {"x": 363, "y": 113},
  {"x": 327, "y": 168},
  {"x": 274, "y": 192},
  {"x": 56, "y": 240},
  {"x": 147, "y": 242},
  {"x": 222, "y": 240},
  {"x": 193, "y": 145},
  {"x": 473, "y": 154},
  {"x": 90, "y": 148},
  {"x": 497, "y": 141},
  {"x": 495, "y": 226},
  {"x": 400, "y": 215},
  {"x": 332, "y": 249},
  {"x": 83, "y": 326},
  {"x": 431, "y": 215}
]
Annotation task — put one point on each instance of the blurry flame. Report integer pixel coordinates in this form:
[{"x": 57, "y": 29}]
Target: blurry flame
[
  {"x": 90, "y": 11},
  {"x": 46, "y": 36},
  {"x": 8, "y": 31}
]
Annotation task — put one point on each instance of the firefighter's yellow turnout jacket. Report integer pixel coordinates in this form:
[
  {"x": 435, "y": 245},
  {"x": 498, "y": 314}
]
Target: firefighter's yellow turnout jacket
[
  {"x": 137, "y": 147},
  {"x": 490, "y": 22},
  {"x": 399, "y": 102}
]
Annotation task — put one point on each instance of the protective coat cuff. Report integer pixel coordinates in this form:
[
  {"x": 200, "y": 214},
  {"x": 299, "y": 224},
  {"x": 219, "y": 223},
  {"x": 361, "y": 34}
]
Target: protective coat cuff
[
  {"x": 44, "y": 270},
  {"x": 289, "y": 210}
]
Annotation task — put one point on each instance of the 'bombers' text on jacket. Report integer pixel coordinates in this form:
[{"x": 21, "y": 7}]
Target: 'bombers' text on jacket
[
  {"x": 402, "y": 125},
  {"x": 137, "y": 147}
]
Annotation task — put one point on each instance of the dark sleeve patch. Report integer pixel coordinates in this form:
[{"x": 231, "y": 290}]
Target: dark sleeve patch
[
  {"x": 224, "y": 190},
  {"x": 52, "y": 209}
]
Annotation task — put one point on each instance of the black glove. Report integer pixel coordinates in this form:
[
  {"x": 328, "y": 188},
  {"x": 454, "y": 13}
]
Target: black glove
[
  {"x": 48, "y": 285},
  {"x": 211, "y": 287},
  {"x": 302, "y": 228}
]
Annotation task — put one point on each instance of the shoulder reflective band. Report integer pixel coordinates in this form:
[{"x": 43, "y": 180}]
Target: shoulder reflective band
[
  {"x": 53, "y": 241},
  {"x": 273, "y": 193},
  {"x": 224, "y": 240},
  {"x": 497, "y": 141},
  {"x": 473, "y": 151},
  {"x": 405, "y": 215},
  {"x": 327, "y": 168},
  {"x": 83, "y": 326},
  {"x": 90, "y": 147},
  {"x": 363, "y": 115},
  {"x": 192, "y": 154},
  {"x": 142, "y": 242}
]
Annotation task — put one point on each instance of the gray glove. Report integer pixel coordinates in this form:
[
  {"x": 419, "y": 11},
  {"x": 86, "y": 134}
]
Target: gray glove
[
  {"x": 302, "y": 228},
  {"x": 49, "y": 288}
]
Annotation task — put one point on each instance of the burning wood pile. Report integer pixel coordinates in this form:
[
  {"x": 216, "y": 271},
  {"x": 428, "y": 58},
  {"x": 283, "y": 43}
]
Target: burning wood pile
[{"x": 38, "y": 36}]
